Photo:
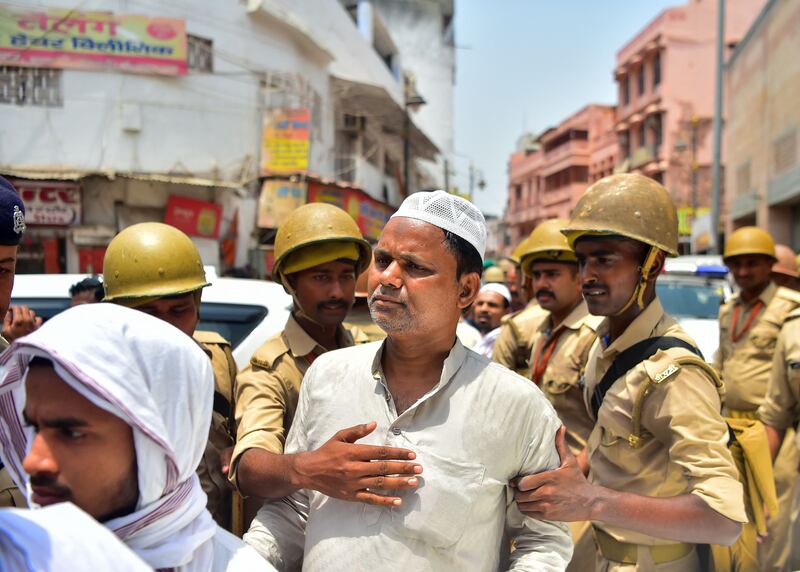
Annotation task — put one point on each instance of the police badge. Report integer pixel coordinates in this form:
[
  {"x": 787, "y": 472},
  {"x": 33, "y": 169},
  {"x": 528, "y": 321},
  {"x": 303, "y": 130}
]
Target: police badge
[{"x": 19, "y": 220}]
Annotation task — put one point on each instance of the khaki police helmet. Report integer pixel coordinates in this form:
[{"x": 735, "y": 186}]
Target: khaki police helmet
[
  {"x": 151, "y": 260},
  {"x": 547, "y": 242},
  {"x": 629, "y": 205},
  {"x": 494, "y": 274},
  {"x": 749, "y": 240},
  {"x": 318, "y": 223}
]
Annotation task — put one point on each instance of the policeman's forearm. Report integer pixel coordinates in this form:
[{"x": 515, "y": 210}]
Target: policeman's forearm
[
  {"x": 265, "y": 474},
  {"x": 775, "y": 439},
  {"x": 683, "y": 518}
]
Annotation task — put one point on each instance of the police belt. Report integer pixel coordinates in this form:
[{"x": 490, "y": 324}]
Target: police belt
[{"x": 628, "y": 553}]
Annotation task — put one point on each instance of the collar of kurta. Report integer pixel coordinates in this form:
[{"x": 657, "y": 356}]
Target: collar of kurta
[
  {"x": 452, "y": 363},
  {"x": 301, "y": 344},
  {"x": 765, "y": 297},
  {"x": 640, "y": 328}
]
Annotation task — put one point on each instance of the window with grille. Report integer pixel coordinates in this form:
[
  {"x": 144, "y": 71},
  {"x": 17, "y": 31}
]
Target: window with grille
[
  {"x": 31, "y": 86},
  {"x": 784, "y": 151},
  {"x": 656, "y": 69},
  {"x": 199, "y": 53}
]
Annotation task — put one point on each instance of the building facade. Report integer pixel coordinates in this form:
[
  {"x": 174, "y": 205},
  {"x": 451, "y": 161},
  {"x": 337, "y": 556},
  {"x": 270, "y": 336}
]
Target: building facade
[
  {"x": 266, "y": 105},
  {"x": 549, "y": 173},
  {"x": 665, "y": 83},
  {"x": 763, "y": 119}
]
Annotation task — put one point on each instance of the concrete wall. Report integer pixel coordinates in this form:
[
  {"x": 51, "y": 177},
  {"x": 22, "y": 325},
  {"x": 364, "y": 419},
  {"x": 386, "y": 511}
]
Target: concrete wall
[{"x": 763, "y": 81}]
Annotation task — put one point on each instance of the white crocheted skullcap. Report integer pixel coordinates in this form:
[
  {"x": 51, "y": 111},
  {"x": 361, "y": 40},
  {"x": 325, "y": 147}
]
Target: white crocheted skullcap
[
  {"x": 448, "y": 212},
  {"x": 501, "y": 289}
]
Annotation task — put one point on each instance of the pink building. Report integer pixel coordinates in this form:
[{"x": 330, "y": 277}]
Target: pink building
[
  {"x": 665, "y": 79},
  {"x": 548, "y": 174}
]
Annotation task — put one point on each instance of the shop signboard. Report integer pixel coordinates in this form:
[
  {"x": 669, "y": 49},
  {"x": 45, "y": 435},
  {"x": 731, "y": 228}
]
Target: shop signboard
[
  {"x": 370, "y": 215},
  {"x": 194, "y": 217},
  {"x": 36, "y": 36},
  {"x": 285, "y": 141},
  {"x": 277, "y": 200},
  {"x": 50, "y": 203}
]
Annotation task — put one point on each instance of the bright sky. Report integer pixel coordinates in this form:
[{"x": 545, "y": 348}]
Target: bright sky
[{"x": 524, "y": 65}]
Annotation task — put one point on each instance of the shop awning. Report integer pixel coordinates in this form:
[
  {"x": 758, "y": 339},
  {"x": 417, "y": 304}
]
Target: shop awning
[{"x": 66, "y": 174}]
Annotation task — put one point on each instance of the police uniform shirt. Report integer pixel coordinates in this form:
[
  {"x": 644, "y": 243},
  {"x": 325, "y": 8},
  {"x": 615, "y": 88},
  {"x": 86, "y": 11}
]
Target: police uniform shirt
[
  {"x": 745, "y": 364},
  {"x": 213, "y": 481},
  {"x": 684, "y": 437},
  {"x": 512, "y": 348},
  {"x": 268, "y": 388},
  {"x": 781, "y": 408},
  {"x": 568, "y": 349}
]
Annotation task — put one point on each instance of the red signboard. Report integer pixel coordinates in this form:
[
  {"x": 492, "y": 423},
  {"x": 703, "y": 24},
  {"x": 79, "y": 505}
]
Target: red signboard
[
  {"x": 50, "y": 203},
  {"x": 194, "y": 217},
  {"x": 370, "y": 214}
]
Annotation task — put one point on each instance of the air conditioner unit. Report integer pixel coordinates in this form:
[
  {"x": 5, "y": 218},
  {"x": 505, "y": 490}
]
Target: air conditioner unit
[{"x": 352, "y": 123}]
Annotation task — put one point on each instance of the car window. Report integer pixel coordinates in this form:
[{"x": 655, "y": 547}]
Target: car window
[
  {"x": 46, "y": 308},
  {"x": 687, "y": 298},
  {"x": 232, "y": 321}
]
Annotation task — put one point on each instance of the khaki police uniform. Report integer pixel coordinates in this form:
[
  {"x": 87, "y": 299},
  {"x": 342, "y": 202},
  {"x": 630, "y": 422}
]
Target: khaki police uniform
[
  {"x": 220, "y": 435},
  {"x": 269, "y": 387},
  {"x": 681, "y": 449},
  {"x": 745, "y": 366},
  {"x": 561, "y": 379},
  {"x": 559, "y": 357},
  {"x": 781, "y": 409},
  {"x": 513, "y": 346},
  {"x": 10, "y": 495},
  {"x": 360, "y": 319}
]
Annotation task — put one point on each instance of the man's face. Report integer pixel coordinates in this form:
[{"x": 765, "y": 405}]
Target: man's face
[
  {"x": 488, "y": 309},
  {"x": 326, "y": 292},
  {"x": 180, "y": 311},
  {"x": 8, "y": 264},
  {"x": 609, "y": 272},
  {"x": 556, "y": 285},
  {"x": 412, "y": 285},
  {"x": 514, "y": 284},
  {"x": 82, "y": 297},
  {"x": 81, "y": 453},
  {"x": 751, "y": 272}
]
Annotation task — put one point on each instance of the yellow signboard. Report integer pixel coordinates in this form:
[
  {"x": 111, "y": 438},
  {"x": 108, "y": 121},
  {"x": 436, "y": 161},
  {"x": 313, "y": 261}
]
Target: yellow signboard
[
  {"x": 42, "y": 37},
  {"x": 686, "y": 216},
  {"x": 285, "y": 142},
  {"x": 277, "y": 201}
]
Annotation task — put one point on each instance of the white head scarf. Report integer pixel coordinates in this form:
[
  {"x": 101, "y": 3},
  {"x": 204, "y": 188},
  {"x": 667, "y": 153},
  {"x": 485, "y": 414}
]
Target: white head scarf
[
  {"x": 159, "y": 381},
  {"x": 501, "y": 289},
  {"x": 62, "y": 538}
]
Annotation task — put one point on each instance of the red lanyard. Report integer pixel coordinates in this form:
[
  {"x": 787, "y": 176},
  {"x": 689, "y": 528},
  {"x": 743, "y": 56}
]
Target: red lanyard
[
  {"x": 543, "y": 355},
  {"x": 756, "y": 308}
]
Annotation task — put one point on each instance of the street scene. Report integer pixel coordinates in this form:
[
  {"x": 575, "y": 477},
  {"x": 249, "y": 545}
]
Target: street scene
[{"x": 418, "y": 285}]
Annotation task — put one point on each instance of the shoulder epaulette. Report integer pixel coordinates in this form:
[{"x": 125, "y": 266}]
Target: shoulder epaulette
[
  {"x": 269, "y": 352},
  {"x": 209, "y": 337},
  {"x": 788, "y": 294}
]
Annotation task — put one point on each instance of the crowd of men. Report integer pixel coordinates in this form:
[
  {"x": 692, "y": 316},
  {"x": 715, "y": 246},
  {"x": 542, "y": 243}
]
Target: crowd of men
[{"x": 415, "y": 412}]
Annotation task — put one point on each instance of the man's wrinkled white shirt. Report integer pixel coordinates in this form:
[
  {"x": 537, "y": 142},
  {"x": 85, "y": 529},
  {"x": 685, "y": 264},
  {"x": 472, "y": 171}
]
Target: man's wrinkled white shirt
[{"x": 477, "y": 429}]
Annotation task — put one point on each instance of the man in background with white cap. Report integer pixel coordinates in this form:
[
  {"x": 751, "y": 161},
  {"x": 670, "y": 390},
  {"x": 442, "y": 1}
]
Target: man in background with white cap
[
  {"x": 493, "y": 302},
  {"x": 472, "y": 425}
]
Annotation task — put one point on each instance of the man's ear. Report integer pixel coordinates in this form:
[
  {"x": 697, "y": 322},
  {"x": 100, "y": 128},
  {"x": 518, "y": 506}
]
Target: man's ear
[
  {"x": 658, "y": 266},
  {"x": 468, "y": 286}
]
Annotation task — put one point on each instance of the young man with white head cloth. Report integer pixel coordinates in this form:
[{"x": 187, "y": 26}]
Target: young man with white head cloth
[
  {"x": 472, "y": 425},
  {"x": 492, "y": 303},
  {"x": 109, "y": 408},
  {"x": 61, "y": 538}
]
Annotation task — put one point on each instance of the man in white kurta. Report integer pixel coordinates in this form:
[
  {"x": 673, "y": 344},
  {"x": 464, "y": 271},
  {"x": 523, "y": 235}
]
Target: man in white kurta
[{"x": 473, "y": 425}]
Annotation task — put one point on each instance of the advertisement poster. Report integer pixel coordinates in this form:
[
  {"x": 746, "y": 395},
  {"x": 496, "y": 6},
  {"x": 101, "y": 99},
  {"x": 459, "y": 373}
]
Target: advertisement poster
[
  {"x": 59, "y": 38},
  {"x": 285, "y": 141},
  {"x": 278, "y": 199},
  {"x": 194, "y": 217},
  {"x": 369, "y": 214}
]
